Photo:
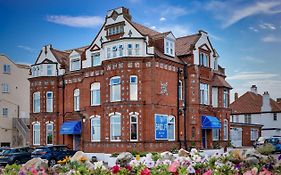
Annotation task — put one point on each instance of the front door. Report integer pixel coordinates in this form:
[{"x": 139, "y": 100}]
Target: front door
[
  {"x": 204, "y": 138},
  {"x": 76, "y": 142}
]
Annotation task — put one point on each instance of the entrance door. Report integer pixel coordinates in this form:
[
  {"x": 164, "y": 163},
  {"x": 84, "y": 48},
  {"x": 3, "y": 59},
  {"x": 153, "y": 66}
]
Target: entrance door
[
  {"x": 204, "y": 138},
  {"x": 76, "y": 142}
]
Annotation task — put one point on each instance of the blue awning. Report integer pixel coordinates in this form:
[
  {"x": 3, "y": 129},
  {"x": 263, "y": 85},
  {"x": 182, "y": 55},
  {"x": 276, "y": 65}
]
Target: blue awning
[
  {"x": 210, "y": 122},
  {"x": 71, "y": 127}
]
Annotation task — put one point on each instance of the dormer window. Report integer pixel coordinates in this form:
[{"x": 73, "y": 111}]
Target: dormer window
[
  {"x": 114, "y": 30},
  {"x": 96, "y": 59},
  {"x": 75, "y": 64},
  {"x": 169, "y": 47},
  {"x": 204, "y": 59}
]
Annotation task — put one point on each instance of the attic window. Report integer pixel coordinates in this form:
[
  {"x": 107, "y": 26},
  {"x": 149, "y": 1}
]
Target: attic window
[
  {"x": 115, "y": 30},
  {"x": 75, "y": 64},
  {"x": 169, "y": 47}
]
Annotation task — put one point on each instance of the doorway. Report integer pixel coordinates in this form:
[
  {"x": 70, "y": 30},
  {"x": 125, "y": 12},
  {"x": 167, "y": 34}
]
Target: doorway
[
  {"x": 76, "y": 142},
  {"x": 204, "y": 138}
]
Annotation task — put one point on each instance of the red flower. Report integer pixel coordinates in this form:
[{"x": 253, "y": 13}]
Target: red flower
[
  {"x": 145, "y": 171},
  {"x": 115, "y": 169},
  {"x": 128, "y": 167}
]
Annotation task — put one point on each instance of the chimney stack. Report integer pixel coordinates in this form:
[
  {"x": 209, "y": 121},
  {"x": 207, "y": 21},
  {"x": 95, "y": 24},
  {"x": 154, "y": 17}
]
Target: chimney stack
[
  {"x": 278, "y": 100},
  {"x": 235, "y": 96},
  {"x": 266, "y": 107},
  {"x": 254, "y": 89}
]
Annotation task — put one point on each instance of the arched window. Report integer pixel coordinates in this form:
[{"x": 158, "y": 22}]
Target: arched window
[
  {"x": 49, "y": 101},
  {"x": 171, "y": 128},
  {"x": 95, "y": 94},
  {"x": 49, "y": 133},
  {"x": 180, "y": 90},
  {"x": 225, "y": 129},
  {"x": 133, "y": 87},
  {"x": 36, "y": 102},
  {"x": 36, "y": 133},
  {"x": 115, "y": 127},
  {"x": 76, "y": 99},
  {"x": 115, "y": 89},
  {"x": 95, "y": 128},
  {"x": 133, "y": 126}
]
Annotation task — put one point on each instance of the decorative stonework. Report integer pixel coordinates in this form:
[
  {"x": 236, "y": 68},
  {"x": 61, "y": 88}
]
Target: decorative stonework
[{"x": 164, "y": 88}]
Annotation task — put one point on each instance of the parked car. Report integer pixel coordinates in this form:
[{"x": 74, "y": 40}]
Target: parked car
[
  {"x": 259, "y": 142},
  {"x": 275, "y": 141},
  {"x": 2, "y": 149},
  {"x": 15, "y": 155},
  {"x": 52, "y": 153}
]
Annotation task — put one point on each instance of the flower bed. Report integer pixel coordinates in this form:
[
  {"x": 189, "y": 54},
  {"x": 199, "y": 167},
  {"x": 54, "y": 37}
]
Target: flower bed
[{"x": 234, "y": 163}]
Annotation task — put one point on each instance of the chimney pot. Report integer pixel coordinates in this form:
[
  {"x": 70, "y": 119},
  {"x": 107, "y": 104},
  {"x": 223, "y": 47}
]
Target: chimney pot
[
  {"x": 254, "y": 89},
  {"x": 235, "y": 96}
]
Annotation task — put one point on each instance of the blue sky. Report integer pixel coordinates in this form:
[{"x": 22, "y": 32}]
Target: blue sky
[{"x": 246, "y": 34}]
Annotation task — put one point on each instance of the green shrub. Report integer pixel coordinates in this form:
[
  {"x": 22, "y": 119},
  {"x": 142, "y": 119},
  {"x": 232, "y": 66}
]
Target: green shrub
[
  {"x": 114, "y": 154},
  {"x": 11, "y": 169},
  {"x": 266, "y": 149}
]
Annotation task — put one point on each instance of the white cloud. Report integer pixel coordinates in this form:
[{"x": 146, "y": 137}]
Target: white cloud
[
  {"x": 231, "y": 12},
  {"x": 26, "y": 48},
  {"x": 177, "y": 30},
  {"x": 252, "y": 59},
  {"x": 76, "y": 21},
  {"x": 172, "y": 11},
  {"x": 162, "y": 19},
  {"x": 253, "y": 29},
  {"x": 271, "y": 39},
  {"x": 267, "y": 26},
  {"x": 252, "y": 76}
]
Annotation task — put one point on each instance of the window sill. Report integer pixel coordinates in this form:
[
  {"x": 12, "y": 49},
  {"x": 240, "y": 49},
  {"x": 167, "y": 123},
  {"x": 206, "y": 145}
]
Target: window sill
[
  {"x": 95, "y": 140},
  {"x": 115, "y": 140}
]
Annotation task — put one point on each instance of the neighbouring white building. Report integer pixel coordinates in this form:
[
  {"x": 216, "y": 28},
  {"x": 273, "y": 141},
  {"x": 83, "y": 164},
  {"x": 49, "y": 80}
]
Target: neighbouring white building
[
  {"x": 14, "y": 103},
  {"x": 253, "y": 108}
]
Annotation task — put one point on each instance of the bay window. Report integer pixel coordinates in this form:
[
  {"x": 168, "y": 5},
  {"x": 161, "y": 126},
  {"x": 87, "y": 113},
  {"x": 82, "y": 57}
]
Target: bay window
[
  {"x": 133, "y": 87},
  {"x": 49, "y": 101},
  {"x": 95, "y": 94},
  {"x": 133, "y": 127},
  {"x": 120, "y": 49},
  {"x": 95, "y": 129},
  {"x": 76, "y": 99},
  {"x": 36, "y": 102},
  {"x": 36, "y": 133},
  {"x": 137, "y": 49},
  {"x": 115, "y": 89},
  {"x": 49, "y": 133},
  {"x": 204, "y": 93},
  {"x": 115, "y": 127},
  {"x": 114, "y": 51}
]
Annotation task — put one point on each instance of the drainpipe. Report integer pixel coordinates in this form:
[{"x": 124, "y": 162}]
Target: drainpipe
[
  {"x": 63, "y": 87},
  {"x": 185, "y": 103},
  {"x": 178, "y": 108}
]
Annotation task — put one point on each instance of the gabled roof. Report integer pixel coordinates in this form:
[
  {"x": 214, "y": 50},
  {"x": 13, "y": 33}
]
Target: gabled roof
[
  {"x": 62, "y": 57},
  {"x": 184, "y": 45},
  {"x": 251, "y": 102},
  {"x": 219, "y": 81},
  {"x": 144, "y": 30}
]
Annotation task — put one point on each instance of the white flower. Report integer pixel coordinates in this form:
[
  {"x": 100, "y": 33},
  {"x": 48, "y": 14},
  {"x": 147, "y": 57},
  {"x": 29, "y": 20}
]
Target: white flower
[
  {"x": 134, "y": 163},
  {"x": 167, "y": 162},
  {"x": 99, "y": 164},
  {"x": 190, "y": 169},
  {"x": 149, "y": 163}
]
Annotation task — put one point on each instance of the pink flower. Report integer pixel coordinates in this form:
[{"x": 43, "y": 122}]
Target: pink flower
[
  {"x": 209, "y": 172},
  {"x": 115, "y": 169},
  {"x": 248, "y": 173},
  {"x": 265, "y": 172},
  {"x": 173, "y": 167},
  {"x": 145, "y": 171}
]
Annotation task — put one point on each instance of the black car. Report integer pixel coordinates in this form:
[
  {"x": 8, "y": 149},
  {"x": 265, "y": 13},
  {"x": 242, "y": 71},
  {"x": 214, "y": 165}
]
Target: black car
[
  {"x": 52, "y": 153},
  {"x": 15, "y": 155},
  {"x": 2, "y": 149}
]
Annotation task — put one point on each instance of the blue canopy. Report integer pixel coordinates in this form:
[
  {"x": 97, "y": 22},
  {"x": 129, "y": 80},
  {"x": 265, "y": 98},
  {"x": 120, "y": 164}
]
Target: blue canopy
[
  {"x": 71, "y": 127},
  {"x": 210, "y": 122}
]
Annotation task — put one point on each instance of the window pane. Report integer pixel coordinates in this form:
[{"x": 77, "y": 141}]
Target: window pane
[
  {"x": 95, "y": 129},
  {"x": 115, "y": 127},
  {"x": 49, "y": 103},
  {"x": 49, "y": 134},
  {"x": 133, "y": 88}
]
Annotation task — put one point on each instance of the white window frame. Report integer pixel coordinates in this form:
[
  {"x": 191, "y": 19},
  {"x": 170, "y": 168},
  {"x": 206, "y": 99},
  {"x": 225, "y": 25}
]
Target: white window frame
[
  {"x": 36, "y": 101},
  {"x": 225, "y": 129},
  {"x": 108, "y": 52},
  {"x": 6, "y": 69},
  {"x": 114, "y": 86},
  {"x": 248, "y": 118},
  {"x": 93, "y": 125},
  {"x": 204, "y": 59},
  {"x": 204, "y": 94},
  {"x": 137, "y": 49},
  {"x": 114, "y": 51},
  {"x": 170, "y": 122},
  {"x": 49, "y": 69},
  {"x": 76, "y": 99},
  {"x": 180, "y": 89},
  {"x": 36, "y": 133},
  {"x": 254, "y": 134},
  {"x": 49, "y": 102},
  {"x": 215, "y": 94},
  {"x": 120, "y": 50},
  {"x": 76, "y": 61},
  {"x": 5, "y": 88},
  {"x": 5, "y": 112},
  {"x": 118, "y": 124},
  {"x": 96, "y": 59},
  {"x": 225, "y": 98},
  {"x": 169, "y": 47},
  {"x": 95, "y": 88},
  {"x": 133, "y": 88},
  {"x": 216, "y": 134},
  {"x": 134, "y": 114},
  {"x": 49, "y": 131},
  {"x": 130, "y": 49}
]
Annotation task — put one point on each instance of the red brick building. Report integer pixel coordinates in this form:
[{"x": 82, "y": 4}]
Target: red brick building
[{"x": 132, "y": 88}]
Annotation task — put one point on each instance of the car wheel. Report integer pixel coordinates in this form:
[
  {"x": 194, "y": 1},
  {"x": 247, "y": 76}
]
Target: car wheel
[
  {"x": 52, "y": 162},
  {"x": 17, "y": 162}
]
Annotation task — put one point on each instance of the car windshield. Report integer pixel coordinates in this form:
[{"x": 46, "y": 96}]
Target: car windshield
[
  {"x": 41, "y": 150},
  {"x": 8, "y": 151}
]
